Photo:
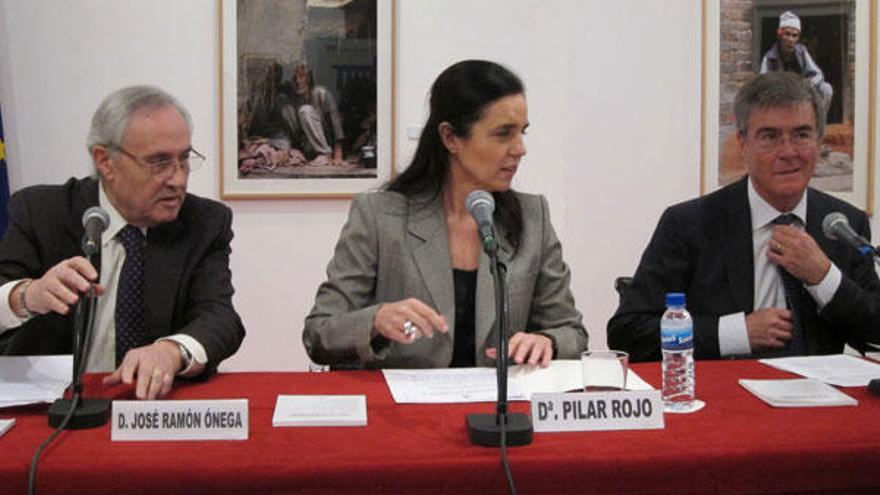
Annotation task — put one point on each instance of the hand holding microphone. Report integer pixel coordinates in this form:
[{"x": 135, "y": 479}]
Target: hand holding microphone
[{"x": 61, "y": 286}]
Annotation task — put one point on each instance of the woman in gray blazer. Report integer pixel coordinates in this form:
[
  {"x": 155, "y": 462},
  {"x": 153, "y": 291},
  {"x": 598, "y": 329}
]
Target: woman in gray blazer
[{"x": 409, "y": 286}]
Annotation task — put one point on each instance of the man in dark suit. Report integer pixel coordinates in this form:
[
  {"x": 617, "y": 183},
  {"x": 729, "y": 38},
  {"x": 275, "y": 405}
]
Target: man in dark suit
[
  {"x": 164, "y": 307},
  {"x": 731, "y": 251}
]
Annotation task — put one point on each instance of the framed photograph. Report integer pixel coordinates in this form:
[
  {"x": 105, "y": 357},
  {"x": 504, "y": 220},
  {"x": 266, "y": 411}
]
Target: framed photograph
[
  {"x": 307, "y": 90},
  {"x": 831, "y": 43}
]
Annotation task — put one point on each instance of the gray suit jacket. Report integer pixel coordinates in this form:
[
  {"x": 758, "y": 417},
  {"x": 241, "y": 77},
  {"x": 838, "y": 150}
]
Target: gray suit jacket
[{"x": 393, "y": 248}]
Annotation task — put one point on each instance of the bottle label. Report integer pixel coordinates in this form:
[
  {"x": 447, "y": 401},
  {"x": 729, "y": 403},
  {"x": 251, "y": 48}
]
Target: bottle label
[{"x": 677, "y": 339}]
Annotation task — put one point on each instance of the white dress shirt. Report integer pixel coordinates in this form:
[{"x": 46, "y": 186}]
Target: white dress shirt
[
  {"x": 733, "y": 337},
  {"x": 102, "y": 351}
]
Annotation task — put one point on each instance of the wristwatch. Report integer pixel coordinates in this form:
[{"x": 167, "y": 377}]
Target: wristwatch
[{"x": 186, "y": 358}]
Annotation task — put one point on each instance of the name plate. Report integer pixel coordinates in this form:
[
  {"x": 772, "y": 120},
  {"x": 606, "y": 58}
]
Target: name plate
[
  {"x": 135, "y": 420},
  {"x": 595, "y": 411}
]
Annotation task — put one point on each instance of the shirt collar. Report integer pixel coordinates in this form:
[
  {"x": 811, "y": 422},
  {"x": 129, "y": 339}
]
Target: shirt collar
[
  {"x": 117, "y": 223},
  {"x": 763, "y": 212}
]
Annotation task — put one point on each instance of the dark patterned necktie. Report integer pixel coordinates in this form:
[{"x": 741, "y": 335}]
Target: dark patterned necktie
[
  {"x": 131, "y": 323},
  {"x": 795, "y": 296}
]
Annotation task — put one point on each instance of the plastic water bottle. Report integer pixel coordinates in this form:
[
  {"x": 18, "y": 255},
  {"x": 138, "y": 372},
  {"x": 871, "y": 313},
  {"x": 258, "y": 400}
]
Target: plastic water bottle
[{"x": 677, "y": 344}]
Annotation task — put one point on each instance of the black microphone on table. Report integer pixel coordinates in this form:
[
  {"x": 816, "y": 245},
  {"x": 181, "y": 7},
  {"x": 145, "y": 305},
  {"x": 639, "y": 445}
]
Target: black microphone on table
[
  {"x": 837, "y": 228},
  {"x": 499, "y": 429},
  {"x": 78, "y": 412}
]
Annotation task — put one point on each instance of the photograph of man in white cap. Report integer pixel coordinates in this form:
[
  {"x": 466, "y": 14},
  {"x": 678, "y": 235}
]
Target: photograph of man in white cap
[{"x": 790, "y": 55}]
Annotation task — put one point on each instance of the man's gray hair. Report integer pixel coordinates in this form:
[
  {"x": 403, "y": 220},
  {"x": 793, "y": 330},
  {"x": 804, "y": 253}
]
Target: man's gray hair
[
  {"x": 111, "y": 119},
  {"x": 777, "y": 89}
]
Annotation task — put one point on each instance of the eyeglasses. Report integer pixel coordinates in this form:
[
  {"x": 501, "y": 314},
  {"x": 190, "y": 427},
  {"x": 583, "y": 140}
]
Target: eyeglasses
[
  {"x": 164, "y": 165},
  {"x": 772, "y": 139}
]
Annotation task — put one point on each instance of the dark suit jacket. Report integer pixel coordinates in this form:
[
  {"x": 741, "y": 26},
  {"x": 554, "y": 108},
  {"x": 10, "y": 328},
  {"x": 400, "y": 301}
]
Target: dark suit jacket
[
  {"x": 393, "y": 248},
  {"x": 188, "y": 286},
  {"x": 703, "y": 248}
]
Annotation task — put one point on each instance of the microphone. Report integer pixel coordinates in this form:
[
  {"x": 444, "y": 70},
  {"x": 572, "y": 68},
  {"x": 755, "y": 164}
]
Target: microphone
[
  {"x": 502, "y": 428},
  {"x": 481, "y": 205},
  {"x": 836, "y": 227},
  {"x": 79, "y": 412},
  {"x": 95, "y": 220}
]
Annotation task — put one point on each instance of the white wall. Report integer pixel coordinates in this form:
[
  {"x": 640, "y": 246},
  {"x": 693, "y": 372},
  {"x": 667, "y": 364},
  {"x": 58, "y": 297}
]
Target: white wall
[{"x": 614, "y": 100}]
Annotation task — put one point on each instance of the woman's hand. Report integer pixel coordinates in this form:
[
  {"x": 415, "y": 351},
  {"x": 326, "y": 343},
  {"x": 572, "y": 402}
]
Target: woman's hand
[
  {"x": 531, "y": 348},
  {"x": 391, "y": 321}
]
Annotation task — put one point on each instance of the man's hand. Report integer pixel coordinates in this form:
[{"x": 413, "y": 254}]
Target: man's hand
[
  {"x": 58, "y": 289},
  {"x": 768, "y": 328},
  {"x": 796, "y": 251},
  {"x": 153, "y": 366},
  {"x": 531, "y": 348}
]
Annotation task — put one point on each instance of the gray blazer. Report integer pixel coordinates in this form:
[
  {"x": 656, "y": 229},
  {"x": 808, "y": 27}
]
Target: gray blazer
[{"x": 393, "y": 248}]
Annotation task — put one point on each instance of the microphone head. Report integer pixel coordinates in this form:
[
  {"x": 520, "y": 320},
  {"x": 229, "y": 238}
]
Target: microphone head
[
  {"x": 479, "y": 198},
  {"x": 829, "y": 223},
  {"x": 96, "y": 212}
]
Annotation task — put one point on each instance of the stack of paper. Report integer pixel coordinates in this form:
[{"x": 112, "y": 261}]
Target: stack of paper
[
  {"x": 838, "y": 369},
  {"x": 797, "y": 393},
  {"x": 33, "y": 379},
  {"x": 461, "y": 385},
  {"x": 320, "y": 410}
]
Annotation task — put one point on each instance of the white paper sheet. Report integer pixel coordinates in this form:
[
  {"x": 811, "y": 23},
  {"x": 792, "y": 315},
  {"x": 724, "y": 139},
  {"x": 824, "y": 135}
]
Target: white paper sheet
[
  {"x": 797, "y": 393},
  {"x": 320, "y": 410},
  {"x": 5, "y": 425},
  {"x": 838, "y": 369},
  {"x": 33, "y": 379},
  {"x": 460, "y": 385}
]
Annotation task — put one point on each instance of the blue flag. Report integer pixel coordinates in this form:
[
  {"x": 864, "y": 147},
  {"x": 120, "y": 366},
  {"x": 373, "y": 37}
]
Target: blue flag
[{"x": 4, "y": 181}]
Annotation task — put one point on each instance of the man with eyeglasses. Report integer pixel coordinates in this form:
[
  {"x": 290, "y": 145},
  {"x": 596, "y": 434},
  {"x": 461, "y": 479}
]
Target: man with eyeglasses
[
  {"x": 760, "y": 277},
  {"x": 165, "y": 291}
]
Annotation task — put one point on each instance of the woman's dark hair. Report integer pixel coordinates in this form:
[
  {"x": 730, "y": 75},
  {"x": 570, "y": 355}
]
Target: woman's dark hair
[{"x": 459, "y": 96}]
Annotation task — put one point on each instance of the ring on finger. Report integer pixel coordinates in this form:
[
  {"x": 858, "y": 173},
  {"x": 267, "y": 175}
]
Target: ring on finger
[{"x": 410, "y": 329}]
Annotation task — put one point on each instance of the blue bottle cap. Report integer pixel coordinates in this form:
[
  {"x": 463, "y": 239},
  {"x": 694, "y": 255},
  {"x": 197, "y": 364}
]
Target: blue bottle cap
[{"x": 675, "y": 299}]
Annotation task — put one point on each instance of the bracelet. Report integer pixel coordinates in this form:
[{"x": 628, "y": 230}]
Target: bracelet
[
  {"x": 21, "y": 299},
  {"x": 186, "y": 358}
]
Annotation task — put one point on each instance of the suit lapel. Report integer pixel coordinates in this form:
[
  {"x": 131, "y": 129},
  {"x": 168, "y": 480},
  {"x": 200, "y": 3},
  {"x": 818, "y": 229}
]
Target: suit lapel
[
  {"x": 815, "y": 215},
  {"x": 429, "y": 243},
  {"x": 734, "y": 234},
  {"x": 165, "y": 259},
  {"x": 810, "y": 322}
]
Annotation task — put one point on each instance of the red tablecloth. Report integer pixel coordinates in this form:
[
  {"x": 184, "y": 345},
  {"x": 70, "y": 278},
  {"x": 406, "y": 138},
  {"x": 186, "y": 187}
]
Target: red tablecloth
[{"x": 737, "y": 444}]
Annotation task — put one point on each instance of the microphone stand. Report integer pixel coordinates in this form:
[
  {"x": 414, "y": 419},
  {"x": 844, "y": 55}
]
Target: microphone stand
[
  {"x": 77, "y": 412},
  {"x": 501, "y": 428}
]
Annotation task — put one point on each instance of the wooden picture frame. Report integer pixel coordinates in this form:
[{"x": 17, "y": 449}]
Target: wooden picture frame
[
  {"x": 307, "y": 97},
  {"x": 841, "y": 35}
]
